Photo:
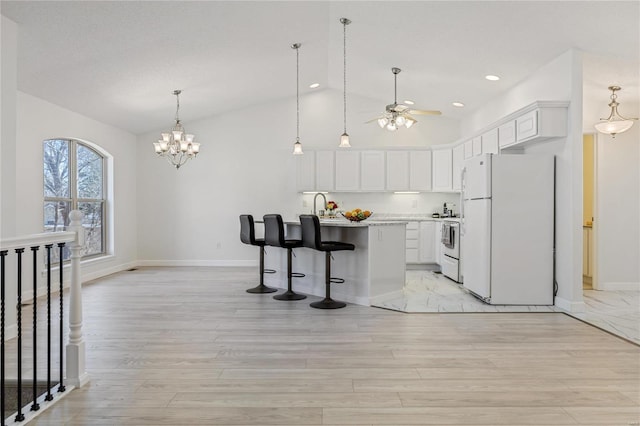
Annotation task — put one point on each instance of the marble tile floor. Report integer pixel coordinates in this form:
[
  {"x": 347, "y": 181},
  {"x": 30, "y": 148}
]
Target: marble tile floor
[{"x": 617, "y": 312}]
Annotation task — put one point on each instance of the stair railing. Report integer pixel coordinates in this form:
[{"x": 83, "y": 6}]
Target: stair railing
[{"x": 11, "y": 321}]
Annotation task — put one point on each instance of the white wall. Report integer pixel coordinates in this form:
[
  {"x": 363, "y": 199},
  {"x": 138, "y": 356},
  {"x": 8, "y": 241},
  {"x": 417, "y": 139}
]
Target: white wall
[
  {"x": 190, "y": 216},
  {"x": 39, "y": 120},
  {"x": 618, "y": 208},
  {"x": 8, "y": 89},
  {"x": 559, "y": 80}
]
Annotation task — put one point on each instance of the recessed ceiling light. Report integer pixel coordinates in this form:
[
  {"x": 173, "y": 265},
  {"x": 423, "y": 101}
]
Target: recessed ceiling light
[
  {"x": 409, "y": 102},
  {"x": 492, "y": 77},
  {"x": 314, "y": 85},
  {"x": 458, "y": 104}
]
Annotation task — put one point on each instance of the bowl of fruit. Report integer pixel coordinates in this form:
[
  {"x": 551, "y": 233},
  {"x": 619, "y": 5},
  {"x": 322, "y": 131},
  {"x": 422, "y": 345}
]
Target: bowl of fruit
[{"x": 356, "y": 215}]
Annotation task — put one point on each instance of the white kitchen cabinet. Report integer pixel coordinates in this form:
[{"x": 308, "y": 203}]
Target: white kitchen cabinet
[
  {"x": 427, "y": 249},
  {"x": 325, "y": 171},
  {"x": 490, "y": 142},
  {"x": 306, "y": 172},
  {"x": 477, "y": 145},
  {"x": 437, "y": 240},
  {"x": 539, "y": 122},
  {"x": 372, "y": 170},
  {"x": 420, "y": 170},
  {"x": 347, "y": 167},
  {"x": 456, "y": 165},
  {"x": 507, "y": 134},
  {"x": 412, "y": 242},
  {"x": 397, "y": 170},
  {"x": 527, "y": 125},
  {"x": 442, "y": 175},
  {"x": 468, "y": 149}
]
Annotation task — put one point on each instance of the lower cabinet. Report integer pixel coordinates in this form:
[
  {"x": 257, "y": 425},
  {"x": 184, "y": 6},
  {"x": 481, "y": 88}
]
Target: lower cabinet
[
  {"x": 420, "y": 244},
  {"x": 437, "y": 239},
  {"x": 412, "y": 244},
  {"x": 427, "y": 247}
]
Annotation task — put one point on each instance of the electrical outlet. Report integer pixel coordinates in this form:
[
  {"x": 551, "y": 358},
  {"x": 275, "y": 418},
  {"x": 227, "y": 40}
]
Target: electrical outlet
[
  {"x": 414, "y": 204},
  {"x": 219, "y": 245},
  {"x": 305, "y": 203}
]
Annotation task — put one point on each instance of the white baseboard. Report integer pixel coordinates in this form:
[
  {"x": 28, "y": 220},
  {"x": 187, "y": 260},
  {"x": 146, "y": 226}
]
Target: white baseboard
[
  {"x": 569, "y": 305},
  {"x": 89, "y": 276},
  {"x": 619, "y": 286},
  {"x": 234, "y": 263}
]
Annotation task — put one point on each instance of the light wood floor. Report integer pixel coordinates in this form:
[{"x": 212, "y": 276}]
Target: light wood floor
[{"x": 188, "y": 346}]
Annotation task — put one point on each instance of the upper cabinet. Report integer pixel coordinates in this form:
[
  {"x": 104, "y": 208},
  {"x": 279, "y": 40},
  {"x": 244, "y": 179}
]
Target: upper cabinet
[
  {"x": 398, "y": 170},
  {"x": 490, "y": 142},
  {"x": 347, "y": 170},
  {"x": 325, "y": 171},
  {"x": 306, "y": 172},
  {"x": 419, "y": 170},
  {"x": 372, "y": 167},
  {"x": 457, "y": 163},
  {"x": 537, "y": 122},
  {"x": 507, "y": 134},
  {"x": 442, "y": 175}
]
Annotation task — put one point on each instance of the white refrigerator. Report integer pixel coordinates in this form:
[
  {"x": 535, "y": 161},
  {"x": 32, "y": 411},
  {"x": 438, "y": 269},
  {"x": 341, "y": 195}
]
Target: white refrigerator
[{"x": 508, "y": 228}]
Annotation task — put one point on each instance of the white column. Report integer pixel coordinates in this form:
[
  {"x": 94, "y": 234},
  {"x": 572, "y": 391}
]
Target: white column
[{"x": 76, "y": 373}]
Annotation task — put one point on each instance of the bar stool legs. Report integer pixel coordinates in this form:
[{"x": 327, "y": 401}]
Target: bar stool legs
[
  {"x": 261, "y": 288},
  {"x": 328, "y": 302},
  {"x": 290, "y": 294}
]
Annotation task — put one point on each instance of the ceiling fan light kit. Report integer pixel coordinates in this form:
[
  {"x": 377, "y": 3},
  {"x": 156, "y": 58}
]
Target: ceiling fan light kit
[
  {"x": 615, "y": 123},
  {"x": 398, "y": 115}
]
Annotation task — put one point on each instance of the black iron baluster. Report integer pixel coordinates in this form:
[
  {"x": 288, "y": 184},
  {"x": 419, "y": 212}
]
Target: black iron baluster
[
  {"x": 3, "y": 253},
  {"x": 61, "y": 387},
  {"x": 19, "y": 416},
  {"x": 49, "y": 397},
  {"x": 35, "y": 406}
]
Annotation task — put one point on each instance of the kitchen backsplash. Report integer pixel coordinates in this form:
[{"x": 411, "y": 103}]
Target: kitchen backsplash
[{"x": 385, "y": 203}]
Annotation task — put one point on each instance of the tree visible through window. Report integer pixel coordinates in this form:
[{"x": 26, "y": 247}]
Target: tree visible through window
[{"x": 74, "y": 179}]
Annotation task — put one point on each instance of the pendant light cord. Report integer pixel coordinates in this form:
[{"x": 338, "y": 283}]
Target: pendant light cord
[
  {"x": 298, "y": 94},
  {"x": 344, "y": 92}
]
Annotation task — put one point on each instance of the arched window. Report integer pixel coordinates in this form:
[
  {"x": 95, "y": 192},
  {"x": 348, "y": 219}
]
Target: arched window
[{"x": 74, "y": 178}]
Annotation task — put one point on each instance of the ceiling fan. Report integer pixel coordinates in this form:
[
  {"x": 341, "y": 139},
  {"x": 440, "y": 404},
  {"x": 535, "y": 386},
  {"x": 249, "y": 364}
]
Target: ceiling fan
[{"x": 398, "y": 115}]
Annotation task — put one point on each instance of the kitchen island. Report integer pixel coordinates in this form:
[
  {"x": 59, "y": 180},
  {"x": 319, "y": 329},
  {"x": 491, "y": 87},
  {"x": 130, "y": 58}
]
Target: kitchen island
[{"x": 374, "y": 271}]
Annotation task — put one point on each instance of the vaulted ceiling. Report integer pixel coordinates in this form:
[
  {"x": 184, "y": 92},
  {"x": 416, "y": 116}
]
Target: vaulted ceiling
[{"x": 118, "y": 62}]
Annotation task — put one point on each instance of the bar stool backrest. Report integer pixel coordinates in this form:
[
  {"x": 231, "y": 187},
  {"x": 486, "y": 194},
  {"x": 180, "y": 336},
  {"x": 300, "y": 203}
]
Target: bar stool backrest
[
  {"x": 310, "y": 231},
  {"x": 247, "y": 229},
  {"x": 274, "y": 230}
]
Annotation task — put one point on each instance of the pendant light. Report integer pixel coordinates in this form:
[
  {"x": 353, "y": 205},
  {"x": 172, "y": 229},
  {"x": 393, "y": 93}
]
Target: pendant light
[
  {"x": 344, "y": 138},
  {"x": 615, "y": 123},
  {"x": 297, "y": 146}
]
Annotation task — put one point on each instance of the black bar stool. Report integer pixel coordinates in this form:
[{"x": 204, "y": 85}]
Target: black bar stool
[
  {"x": 274, "y": 236},
  {"x": 248, "y": 236},
  {"x": 311, "y": 238}
]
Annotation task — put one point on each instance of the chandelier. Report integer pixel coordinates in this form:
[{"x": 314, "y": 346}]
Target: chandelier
[
  {"x": 177, "y": 146},
  {"x": 615, "y": 123}
]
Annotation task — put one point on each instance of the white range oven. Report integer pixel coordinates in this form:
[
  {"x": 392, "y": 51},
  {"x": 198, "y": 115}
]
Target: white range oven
[{"x": 450, "y": 246}]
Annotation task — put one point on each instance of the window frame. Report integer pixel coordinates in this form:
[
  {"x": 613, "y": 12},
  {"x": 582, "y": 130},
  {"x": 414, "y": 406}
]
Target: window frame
[{"x": 73, "y": 200}]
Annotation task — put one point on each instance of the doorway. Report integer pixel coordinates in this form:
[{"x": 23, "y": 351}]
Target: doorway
[{"x": 588, "y": 211}]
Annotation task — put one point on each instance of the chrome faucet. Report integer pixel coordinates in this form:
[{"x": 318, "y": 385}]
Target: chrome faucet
[{"x": 315, "y": 197}]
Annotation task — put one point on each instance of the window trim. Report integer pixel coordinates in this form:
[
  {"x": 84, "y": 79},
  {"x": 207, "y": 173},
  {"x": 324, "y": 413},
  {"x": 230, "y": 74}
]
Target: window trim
[{"x": 74, "y": 200}]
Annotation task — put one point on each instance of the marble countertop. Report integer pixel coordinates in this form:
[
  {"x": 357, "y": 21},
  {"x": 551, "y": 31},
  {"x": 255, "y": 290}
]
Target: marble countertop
[{"x": 344, "y": 223}]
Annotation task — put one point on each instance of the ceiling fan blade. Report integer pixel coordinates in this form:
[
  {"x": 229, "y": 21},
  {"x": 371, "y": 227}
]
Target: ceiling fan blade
[
  {"x": 423, "y": 112},
  {"x": 372, "y": 120}
]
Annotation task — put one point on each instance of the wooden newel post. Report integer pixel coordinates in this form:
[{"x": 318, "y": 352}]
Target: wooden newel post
[{"x": 76, "y": 373}]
